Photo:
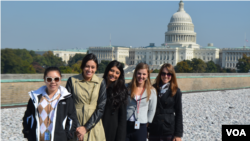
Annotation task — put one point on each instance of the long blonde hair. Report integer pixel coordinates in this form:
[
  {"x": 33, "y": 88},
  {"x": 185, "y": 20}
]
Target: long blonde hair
[
  {"x": 133, "y": 83},
  {"x": 173, "y": 81}
]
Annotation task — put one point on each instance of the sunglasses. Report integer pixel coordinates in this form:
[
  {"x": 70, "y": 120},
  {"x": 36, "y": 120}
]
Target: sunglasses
[
  {"x": 50, "y": 79},
  {"x": 164, "y": 74}
]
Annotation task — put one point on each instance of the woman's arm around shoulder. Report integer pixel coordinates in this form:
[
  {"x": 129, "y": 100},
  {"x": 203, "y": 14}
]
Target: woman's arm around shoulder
[
  {"x": 152, "y": 105},
  {"x": 101, "y": 102},
  {"x": 178, "y": 114}
]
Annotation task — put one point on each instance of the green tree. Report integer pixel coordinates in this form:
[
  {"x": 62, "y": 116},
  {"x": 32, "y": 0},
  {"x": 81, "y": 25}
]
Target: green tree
[
  {"x": 211, "y": 67},
  {"x": 41, "y": 60},
  {"x": 198, "y": 65},
  {"x": 53, "y": 60},
  {"x": 243, "y": 64},
  {"x": 65, "y": 69},
  {"x": 2, "y": 64},
  {"x": 12, "y": 61},
  {"x": 77, "y": 67},
  {"x": 123, "y": 65},
  {"x": 75, "y": 59},
  {"x": 102, "y": 66},
  {"x": 24, "y": 54},
  {"x": 184, "y": 66},
  {"x": 38, "y": 67},
  {"x": 228, "y": 70},
  {"x": 156, "y": 71},
  {"x": 32, "y": 53}
]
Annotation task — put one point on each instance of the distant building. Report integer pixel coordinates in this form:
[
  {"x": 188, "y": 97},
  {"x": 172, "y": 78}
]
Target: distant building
[
  {"x": 119, "y": 53},
  {"x": 180, "y": 44},
  {"x": 230, "y": 56},
  {"x": 64, "y": 54}
]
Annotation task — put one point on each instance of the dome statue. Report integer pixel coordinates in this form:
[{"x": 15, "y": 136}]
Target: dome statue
[{"x": 181, "y": 30}]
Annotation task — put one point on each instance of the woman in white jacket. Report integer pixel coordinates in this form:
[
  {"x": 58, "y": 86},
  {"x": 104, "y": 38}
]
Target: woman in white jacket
[{"x": 50, "y": 113}]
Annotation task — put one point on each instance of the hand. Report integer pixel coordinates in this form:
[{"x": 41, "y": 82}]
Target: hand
[
  {"x": 81, "y": 131},
  {"x": 80, "y": 138},
  {"x": 177, "y": 138}
]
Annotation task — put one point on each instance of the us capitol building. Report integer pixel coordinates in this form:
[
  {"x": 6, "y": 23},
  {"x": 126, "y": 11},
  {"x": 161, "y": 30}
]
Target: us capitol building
[{"x": 180, "y": 44}]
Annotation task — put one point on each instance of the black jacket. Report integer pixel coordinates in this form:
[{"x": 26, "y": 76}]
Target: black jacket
[
  {"x": 168, "y": 117},
  {"x": 114, "y": 120},
  {"x": 101, "y": 102},
  {"x": 65, "y": 123}
]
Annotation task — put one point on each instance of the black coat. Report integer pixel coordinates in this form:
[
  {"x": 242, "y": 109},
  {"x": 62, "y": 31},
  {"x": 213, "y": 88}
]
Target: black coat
[
  {"x": 65, "y": 115},
  {"x": 114, "y": 121},
  {"x": 168, "y": 117}
]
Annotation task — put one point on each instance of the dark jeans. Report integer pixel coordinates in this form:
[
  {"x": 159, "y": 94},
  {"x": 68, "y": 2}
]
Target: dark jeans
[
  {"x": 160, "y": 138},
  {"x": 136, "y": 134}
]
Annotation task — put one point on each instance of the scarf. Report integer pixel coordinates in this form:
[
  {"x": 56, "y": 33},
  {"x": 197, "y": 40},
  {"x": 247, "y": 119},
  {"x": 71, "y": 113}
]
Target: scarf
[{"x": 163, "y": 89}]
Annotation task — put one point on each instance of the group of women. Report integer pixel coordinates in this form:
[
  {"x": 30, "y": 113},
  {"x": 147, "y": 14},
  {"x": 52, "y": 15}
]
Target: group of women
[{"x": 105, "y": 109}]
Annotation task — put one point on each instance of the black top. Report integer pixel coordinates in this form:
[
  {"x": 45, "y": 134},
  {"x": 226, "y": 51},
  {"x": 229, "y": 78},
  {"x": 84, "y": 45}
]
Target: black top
[
  {"x": 168, "y": 117},
  {"x": 114, "y": 120}
]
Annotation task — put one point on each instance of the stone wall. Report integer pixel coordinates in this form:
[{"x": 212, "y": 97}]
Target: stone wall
[{"x": 14, "y": 91}]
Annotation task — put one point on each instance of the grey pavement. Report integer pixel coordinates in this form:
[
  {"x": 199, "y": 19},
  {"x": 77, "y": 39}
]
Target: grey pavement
[{"x": 203, "y": 115}]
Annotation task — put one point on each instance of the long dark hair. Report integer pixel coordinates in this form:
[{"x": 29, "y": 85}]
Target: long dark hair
[{"x": 119, "y": 93}]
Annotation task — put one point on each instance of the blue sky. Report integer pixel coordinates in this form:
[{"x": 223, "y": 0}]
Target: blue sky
[{"x": 63, "y": 25}]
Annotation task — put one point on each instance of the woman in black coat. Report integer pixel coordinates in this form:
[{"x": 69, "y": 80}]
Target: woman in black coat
[
  {"x": 114, "y": 118},
  {"x": 167, "y": 124}
]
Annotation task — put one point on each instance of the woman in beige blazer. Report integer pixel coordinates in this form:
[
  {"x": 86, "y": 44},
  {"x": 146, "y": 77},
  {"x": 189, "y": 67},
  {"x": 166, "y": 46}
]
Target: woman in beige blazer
[{"x": 89, "y": 94}]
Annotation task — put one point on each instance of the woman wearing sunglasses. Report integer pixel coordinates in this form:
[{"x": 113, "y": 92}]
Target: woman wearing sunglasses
[
  {"x": 114, "y": 118},
  {"x": 89, "y": 94},
  {"x": 141, "y": 104},
  {"x": 168, "y": 123},
  {"x": 50, "y": 113}
]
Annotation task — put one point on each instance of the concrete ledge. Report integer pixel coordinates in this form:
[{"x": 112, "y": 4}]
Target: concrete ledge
[{"x": 15, "y": 91}]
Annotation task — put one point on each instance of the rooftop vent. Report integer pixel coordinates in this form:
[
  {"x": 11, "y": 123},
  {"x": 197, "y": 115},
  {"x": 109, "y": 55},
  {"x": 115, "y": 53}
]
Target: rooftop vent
[
  {"x": 152, "y": 44},
  {"x": 210, "y": 44}
]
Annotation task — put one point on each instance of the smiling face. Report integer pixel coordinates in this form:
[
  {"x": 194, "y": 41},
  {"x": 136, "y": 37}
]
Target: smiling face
[
  {"x": 141, "y": 76},
  {"x": 113, "y": 74},
  {"x": 89, "y": 70},
  {"x": 165, "y": 76},
  {"x": 52, "y": 85}
]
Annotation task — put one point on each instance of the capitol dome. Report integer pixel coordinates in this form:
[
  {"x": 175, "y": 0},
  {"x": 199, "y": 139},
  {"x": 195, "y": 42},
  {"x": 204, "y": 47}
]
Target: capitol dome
[
  {"x": 181, "y": 16},
  {"x": 181, "y": 30}
]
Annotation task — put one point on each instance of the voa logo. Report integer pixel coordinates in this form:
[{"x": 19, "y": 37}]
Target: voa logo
[{"x": 236, "y": 132}]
